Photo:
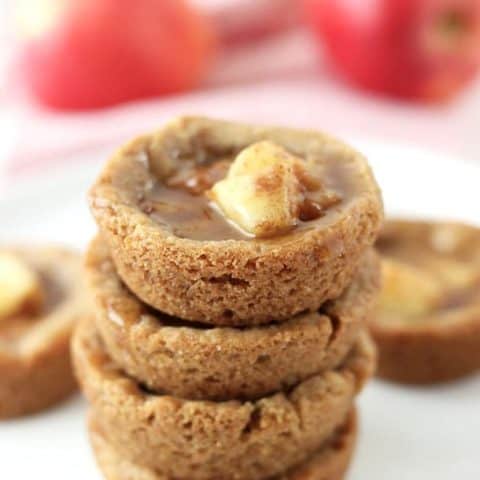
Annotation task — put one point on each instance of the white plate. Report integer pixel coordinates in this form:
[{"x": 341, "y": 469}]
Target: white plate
[{"x": 406, "y": 433}]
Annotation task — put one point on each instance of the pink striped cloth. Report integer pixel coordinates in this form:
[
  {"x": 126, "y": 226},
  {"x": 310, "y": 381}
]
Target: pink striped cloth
[
  {"x": 242, "y": 73},
  {"x": 242, "y": 25},
  {"x": 280, "y": 80}
]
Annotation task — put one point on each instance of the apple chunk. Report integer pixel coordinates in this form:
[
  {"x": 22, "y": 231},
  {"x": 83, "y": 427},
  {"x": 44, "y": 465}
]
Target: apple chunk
[
  {"x": 20, "y": 288},
  {"x": 407, "y": 289},
  {"x": 262, "y": 191}
]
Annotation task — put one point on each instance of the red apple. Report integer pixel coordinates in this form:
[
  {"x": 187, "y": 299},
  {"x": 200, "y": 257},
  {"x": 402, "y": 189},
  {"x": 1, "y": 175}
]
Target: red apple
[
  {"x": 422, "y": 49},
  {"x": 79, "y": 54}
]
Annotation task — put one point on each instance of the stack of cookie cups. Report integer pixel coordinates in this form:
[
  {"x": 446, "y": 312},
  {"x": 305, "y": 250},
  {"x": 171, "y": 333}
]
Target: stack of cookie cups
[{"x": 225, "y": 359}]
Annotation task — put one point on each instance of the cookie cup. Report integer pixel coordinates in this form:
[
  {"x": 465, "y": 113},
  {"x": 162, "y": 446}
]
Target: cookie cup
[
  {"x": 442, "y": 344},
  {"x": 329, "y": 463},
  {"x": 204, "y": 440},
  {"x": 35, "y": 366},
  {"x": 231, "y": 282},
  {"x": 171, "y": 356}
]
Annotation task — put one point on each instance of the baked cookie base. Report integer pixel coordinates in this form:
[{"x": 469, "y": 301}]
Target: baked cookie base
[
  {"x": 171, "y": 356},
  {"x": 429, "y": 353},
  {"x": 181, "y": 438},
  {"x": 329, "y": 463}
]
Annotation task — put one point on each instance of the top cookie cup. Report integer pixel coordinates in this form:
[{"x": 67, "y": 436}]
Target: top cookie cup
[{"x": 177, "y": 253}]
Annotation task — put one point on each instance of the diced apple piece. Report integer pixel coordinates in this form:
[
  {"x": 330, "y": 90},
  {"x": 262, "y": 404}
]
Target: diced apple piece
[
  {"x": 261, "y": 193},
  {"x": 259, "y": 156},
  {"x": 20, "y": 288},
  {"x": 407, "y": 289}
]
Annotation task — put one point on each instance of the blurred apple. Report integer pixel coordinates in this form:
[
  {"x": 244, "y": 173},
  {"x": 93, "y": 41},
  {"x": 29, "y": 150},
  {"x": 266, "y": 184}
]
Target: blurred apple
[
  {"x": 420, "y": 49},
  {"x": 80, "y": 54}
]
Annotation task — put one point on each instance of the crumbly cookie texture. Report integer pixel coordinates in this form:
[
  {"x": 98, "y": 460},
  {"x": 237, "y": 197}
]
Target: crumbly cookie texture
[
  {"x": 232, "y": 282},
  {"x": 329, "y": 463},
  {"x": 427, "y": 325},
  {"x": 175, "y": 357},
  {"x": 35, "y": 367},
  {"x": 203, "y": 439}
]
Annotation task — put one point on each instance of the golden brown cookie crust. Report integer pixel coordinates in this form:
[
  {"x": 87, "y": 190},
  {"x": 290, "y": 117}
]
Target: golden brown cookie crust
[
  {"x": 443, "y": 346},
  {"x": 229, "y": 282},
  {"x": 430, "y": 353},
  {"x": 204, "y": 439},
  {"x": 219, "y": 363},
  {"x": 329, "y": 463},
  {"x": 35, "y": 366}
]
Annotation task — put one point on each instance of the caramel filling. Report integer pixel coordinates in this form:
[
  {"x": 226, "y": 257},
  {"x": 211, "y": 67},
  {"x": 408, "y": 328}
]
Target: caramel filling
[
  {"x": 265, "y": 191},
  {"x": 262, "y": 192}
]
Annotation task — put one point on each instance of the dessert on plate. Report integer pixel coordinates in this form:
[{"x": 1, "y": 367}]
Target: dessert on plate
[
  {"x": 232, "y": 278},
  {"x": 41, "y": 299},
  {"x": 231, "y": 224},
  {"x": 244, "y": 440},
  {"x": 427, "y": 326},
  {"x": 198, "y": 361}
]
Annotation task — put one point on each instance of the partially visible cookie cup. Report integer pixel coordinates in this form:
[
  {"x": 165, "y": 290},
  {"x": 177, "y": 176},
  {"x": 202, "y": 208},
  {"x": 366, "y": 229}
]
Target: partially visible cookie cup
[
  {"x": 436, "y": 351},
  {"x": 35, "y": 366},
  {"x": 231, "y": 282},
  {"x": 329, "y": 463},
  {"x": 204, "y": 440},
  {"x": 427, "y": 325},
  {"x": 191, "y": 361}
]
